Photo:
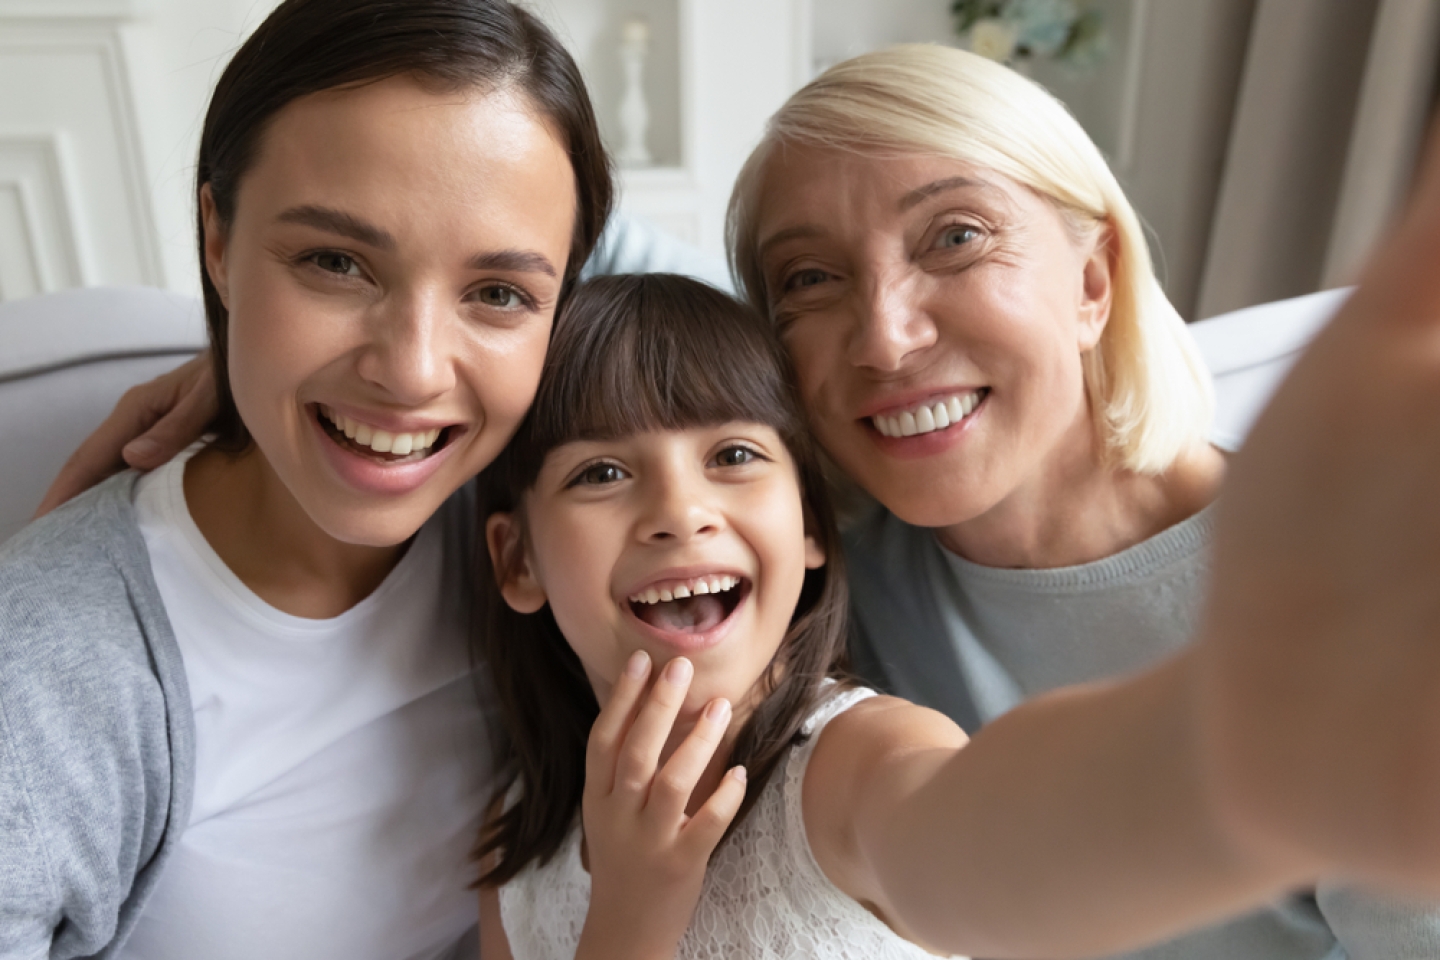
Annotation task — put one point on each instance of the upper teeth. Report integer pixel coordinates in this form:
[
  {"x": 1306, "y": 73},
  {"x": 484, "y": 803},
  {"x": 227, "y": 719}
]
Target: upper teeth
[
  {"x": 381, "y": 441},
  {"x": 689, "y": 588},
  {"x": 927, "y": 417}
]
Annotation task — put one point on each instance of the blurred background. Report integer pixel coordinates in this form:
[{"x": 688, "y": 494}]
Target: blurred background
[{"x": 1265, "y": 142}]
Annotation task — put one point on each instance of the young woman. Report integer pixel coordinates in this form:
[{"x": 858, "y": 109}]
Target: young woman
[
  {"x": 982, "y": 347},
  {"x": 239, "y": 717}
]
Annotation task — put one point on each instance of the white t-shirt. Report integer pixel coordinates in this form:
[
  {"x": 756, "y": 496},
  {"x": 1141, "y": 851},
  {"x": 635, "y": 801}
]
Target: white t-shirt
[{"x": 342, "y": 765}]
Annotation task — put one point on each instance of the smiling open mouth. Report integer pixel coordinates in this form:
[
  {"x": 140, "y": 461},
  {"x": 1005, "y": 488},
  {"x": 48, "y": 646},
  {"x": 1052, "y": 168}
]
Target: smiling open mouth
[
  {"x": 929, "y": 417},
  {"x": 366, "y": 441},
  {"x": 690, "y": 606}
]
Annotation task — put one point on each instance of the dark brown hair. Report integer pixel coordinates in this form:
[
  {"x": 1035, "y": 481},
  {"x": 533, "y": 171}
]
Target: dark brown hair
[
  {"x": 306, "y": 46},
  {"x": 631, "y": 354}
]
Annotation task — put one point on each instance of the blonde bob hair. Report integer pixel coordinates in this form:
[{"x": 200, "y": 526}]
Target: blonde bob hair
[{"x": 1149, "y": 391}]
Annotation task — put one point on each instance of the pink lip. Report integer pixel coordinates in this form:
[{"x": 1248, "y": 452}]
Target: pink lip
[
  {"x": 926, "y": 444},
  {"x": 689, "y": 643},
  {"x": 390, "y": 423},
  {"x": 372, "y": 477}
]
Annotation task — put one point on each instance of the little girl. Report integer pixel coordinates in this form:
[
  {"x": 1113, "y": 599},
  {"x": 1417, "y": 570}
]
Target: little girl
[{"x": 663, "y": 505}]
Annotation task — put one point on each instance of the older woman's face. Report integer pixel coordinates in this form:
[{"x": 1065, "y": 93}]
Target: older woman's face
[{"x": 936, "y": 314}]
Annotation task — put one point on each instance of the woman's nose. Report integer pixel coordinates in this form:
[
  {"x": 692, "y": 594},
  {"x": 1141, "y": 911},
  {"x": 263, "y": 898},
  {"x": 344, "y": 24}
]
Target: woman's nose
[
  {"x": 409, "y": 354},
  {"x": 892, "y": 324}
]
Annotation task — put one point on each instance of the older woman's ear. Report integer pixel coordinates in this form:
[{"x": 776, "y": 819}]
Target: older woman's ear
[{"x": 1097, "y": 287}]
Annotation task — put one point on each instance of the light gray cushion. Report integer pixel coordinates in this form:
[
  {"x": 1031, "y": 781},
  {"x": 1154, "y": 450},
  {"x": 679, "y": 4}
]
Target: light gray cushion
[{"x": 65, "y": 358}]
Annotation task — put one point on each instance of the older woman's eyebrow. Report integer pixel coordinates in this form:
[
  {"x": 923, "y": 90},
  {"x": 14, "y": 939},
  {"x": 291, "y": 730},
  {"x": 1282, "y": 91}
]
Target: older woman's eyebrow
[
  {"x": 338, "y": 221},
  {"x": 518, "y": 261},
  {"x": 920, "y": 194},
  {"x": 802, "y": 232}
]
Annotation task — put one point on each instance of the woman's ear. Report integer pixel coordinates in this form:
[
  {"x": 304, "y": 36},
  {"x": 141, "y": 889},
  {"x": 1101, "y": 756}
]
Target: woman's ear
[
  {"x": 1097, "y": 288},
  {"x": 814, "y": 553},
  {"x": 215, "y": 244},
  {"x": 518, "y": 585}
]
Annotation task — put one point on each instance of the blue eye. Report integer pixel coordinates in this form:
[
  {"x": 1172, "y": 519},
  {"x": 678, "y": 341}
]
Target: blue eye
[
  {"x": 804, "y": 278},
  {"x": 957, "y": 236}
]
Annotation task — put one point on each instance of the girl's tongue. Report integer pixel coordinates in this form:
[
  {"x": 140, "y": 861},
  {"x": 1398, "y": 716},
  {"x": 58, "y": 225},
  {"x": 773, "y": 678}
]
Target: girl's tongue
[{"x": 690, "y": 615}]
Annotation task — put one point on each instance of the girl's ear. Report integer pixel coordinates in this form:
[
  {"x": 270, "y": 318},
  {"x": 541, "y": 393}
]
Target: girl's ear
[
  {"x": 215, "y": 241},
  {"x": 814, "y": 553},
  {"x": 518, "y": 585}
]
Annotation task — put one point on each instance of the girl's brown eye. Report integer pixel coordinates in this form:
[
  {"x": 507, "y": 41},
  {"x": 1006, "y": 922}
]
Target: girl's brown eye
[
  {"x": 599, "y": 474},
  {"x": 735, "y": 456}
]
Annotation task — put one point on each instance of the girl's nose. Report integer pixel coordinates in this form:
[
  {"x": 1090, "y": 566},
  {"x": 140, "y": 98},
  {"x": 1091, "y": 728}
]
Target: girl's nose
[
  {"x": 678, "y": 510},
  {"x": 891, "y": 325},
  {"x": 409, "y": 354}
]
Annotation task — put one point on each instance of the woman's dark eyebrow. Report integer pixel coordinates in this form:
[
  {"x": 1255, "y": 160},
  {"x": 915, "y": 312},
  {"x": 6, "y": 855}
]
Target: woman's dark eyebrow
[
  {"x": 939, "y": 186},
  {"x": 338, "y": 221},
  {"x": 349, "y": 225},
  {"x": 520, "y": 261}
]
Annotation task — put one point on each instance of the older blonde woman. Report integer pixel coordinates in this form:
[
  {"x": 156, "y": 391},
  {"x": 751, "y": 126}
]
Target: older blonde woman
[{"x": 982, "y": 346}]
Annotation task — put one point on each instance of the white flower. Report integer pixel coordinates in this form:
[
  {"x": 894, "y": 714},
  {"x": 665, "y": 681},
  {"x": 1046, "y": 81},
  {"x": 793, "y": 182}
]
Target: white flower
[{"x": 993, "y": 39}]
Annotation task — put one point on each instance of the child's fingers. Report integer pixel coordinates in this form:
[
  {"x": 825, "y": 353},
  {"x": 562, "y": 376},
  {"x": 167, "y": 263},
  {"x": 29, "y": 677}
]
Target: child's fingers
[
  {"x": 615, "y": 718},
  {"x": 705, "y": 829},
  {"x": 640, "y": 753},
  {"x": 676, "y": 781}
]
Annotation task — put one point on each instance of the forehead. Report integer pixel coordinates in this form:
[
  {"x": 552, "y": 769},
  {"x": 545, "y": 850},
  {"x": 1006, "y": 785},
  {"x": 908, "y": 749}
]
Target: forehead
[
  {"x": 410, "y": 156},
  {"x": 827, "y": 188}
]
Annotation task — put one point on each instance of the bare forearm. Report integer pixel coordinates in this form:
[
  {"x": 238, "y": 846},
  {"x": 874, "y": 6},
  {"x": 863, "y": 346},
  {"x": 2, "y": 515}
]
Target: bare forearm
[{"x": 1076, "y": 825}]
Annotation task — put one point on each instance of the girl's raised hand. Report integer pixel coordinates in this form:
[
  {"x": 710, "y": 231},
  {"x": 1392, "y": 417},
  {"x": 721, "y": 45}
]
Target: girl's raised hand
[{"x": 647, "y": 857}]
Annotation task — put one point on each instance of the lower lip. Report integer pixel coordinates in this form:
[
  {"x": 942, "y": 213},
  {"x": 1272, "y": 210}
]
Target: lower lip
[
  {"x": 689, "y": 643},
  {"x": 925, "y": 444},
  {"x": 372, "y": 476}
]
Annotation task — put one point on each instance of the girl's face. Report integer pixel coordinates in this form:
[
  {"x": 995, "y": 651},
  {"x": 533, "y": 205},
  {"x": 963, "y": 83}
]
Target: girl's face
[
  {"x": 937, "y": 314},
  {"x": 676, "y": 542},
  {"x": 391, "y": 272}
]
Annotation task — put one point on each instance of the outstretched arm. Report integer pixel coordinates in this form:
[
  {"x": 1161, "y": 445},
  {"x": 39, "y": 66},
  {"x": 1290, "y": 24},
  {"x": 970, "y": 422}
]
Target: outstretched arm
[
  {"x": 1322, "y": 636},
  {"x": 1075, "y": 825}
]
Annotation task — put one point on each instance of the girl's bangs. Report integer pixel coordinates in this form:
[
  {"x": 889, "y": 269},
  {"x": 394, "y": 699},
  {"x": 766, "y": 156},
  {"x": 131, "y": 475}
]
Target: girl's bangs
[{"x": 639, "y": 353}]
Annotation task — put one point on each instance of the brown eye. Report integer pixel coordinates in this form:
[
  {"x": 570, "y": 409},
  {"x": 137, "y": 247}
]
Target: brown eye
[
  {"x": 735, "y": 456},
  {"x": 598, "y": 474},
  {"x": 338, "y": 263},
  {"x": 499, "y": 295}
]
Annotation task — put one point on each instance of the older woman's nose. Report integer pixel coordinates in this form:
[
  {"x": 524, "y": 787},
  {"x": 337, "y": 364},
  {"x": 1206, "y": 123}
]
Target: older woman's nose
[
  {"x": 409, "y": 353},
  {"x": 892, "y": 325}
]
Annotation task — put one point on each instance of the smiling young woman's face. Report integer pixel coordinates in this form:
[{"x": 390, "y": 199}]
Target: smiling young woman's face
[
  {"x": 391, "y": 272},
  {"x": 936, "y": 314}
]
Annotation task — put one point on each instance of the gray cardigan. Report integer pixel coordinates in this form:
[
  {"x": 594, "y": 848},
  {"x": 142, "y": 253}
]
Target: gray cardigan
[{"x": 97, "y": 739}]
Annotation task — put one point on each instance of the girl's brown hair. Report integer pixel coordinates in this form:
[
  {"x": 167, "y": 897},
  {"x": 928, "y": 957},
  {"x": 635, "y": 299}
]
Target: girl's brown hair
[
  {"x": 306, "y": 46},
  {"x": 631, "y": 354}
]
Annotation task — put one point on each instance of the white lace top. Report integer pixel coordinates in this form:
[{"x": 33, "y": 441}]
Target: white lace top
[{"x": 764, "y": 898}]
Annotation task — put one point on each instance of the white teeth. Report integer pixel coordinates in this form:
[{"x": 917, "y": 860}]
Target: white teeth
[
  {"x": 381, "y": 441},
  {"x": 696, "y": 587},
  {"x": 927, "y": 418}
]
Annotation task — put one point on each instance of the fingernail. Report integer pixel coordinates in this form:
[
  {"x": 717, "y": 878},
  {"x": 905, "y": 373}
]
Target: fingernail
[
  {"x": 718, "y": 711},
  {"x": 679, "y": 670},
  {"x": 738, "y": 773},
  {"x": 638, "y": 664},
  {"x": 140, "y": 449}
]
